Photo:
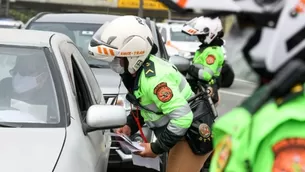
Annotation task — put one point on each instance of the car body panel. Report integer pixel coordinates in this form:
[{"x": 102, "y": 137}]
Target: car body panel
[
  {"x": 30, "y": 149},
  {"x": 89, "y": 152}
]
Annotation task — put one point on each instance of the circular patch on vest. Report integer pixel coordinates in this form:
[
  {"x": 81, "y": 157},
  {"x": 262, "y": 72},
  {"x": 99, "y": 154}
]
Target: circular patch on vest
[
  {"x": 163, "y": 92},
  {"x": 289, "y": 155},
  {"x": 224, "y": 149},
  {"x": 210, "y": 59},
  {"x": 204, "y": 130}
]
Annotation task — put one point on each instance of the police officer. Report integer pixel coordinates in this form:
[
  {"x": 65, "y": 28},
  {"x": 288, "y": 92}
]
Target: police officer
[
  {"x": 266, "y": 132},
  {"x": 210, "y": 56},
  {"x": 155, "y": 86}
]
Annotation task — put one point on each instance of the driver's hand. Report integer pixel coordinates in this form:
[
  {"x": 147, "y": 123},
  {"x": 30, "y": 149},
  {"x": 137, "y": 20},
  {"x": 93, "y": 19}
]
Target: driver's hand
[{"x": 124, "y": 130}]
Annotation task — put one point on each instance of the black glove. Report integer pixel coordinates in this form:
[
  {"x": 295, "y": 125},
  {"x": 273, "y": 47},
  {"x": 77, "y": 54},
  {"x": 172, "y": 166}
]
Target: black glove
[{"x": 193, "y": 71}]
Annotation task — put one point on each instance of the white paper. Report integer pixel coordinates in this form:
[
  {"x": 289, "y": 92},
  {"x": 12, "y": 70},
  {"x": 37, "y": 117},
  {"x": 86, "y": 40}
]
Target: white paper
[
  {"x": 39, "y": 111},
  {"x": 17, "y": 116},
  {"x": 153, "y": 163},
  {"x": 137, "y": 160}
]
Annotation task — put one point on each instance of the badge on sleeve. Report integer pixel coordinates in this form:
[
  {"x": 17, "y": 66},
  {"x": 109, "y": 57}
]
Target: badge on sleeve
[
  {"x": 163, "y": 92},
  {"x": 289, "y": 155},
  {"x": 210, "y": 59},
  {"x": 224, "y": 149}
]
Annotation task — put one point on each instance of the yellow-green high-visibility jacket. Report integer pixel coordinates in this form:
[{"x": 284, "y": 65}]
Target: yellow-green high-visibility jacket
[
  {"x": 272, "y": 139},
  {"x": 162, "y": 89},
  {"x": 209, "y": 61}
]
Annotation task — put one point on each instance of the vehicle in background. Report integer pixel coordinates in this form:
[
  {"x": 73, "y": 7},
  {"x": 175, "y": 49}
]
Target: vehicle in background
[
  {"x": 80, "y": 27},
  {"x": 11, "y": 23},
  {"x": 63, "y": 124},
  {"x": 176, "y": 42}
]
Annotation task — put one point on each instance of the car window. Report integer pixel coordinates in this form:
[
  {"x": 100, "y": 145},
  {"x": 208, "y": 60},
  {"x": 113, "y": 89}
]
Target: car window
[
  {"x": 83, "y": 94},
  {"x": 27, "y": 89},
  {"x": 79, "y": 33},
  {"x": 92, "y": 82}
]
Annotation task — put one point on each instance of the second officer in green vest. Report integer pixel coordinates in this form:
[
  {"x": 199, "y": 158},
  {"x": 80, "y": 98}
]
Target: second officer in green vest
[
  {"x": 209, "y": 58},
  {"x": 155, "y": 86}
]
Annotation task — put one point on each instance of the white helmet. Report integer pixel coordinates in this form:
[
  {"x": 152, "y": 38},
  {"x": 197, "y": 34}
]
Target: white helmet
[
  {"x": 203, "y": 26},
  {"x": 126, "y": 36}
]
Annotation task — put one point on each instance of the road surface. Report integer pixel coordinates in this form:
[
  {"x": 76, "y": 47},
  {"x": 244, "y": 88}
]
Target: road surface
[
  {"x": 229, "y": 97},
  {"x": 233, "y": 96}
]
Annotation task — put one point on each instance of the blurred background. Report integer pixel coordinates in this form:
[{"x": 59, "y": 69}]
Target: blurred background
[{"x": 16, "y": 13}]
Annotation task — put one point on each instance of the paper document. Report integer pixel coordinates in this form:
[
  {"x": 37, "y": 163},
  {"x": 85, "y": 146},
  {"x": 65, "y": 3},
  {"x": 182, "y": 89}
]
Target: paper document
[
  {"x": 134, "y": 147},
  {"x": 39, "y": 111},
  {"x": 153, "y": 163}
]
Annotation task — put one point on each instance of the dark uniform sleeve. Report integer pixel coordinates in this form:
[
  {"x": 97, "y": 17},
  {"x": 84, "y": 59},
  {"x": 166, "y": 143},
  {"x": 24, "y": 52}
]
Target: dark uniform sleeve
[{"x": 131, "y": 122}]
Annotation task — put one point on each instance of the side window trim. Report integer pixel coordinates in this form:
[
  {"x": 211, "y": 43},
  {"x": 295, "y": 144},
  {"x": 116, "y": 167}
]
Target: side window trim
[
  {"x": 84, "y": 75},
  {"x": 163, "y": 30},
  {"x": 83, "y": 80},
  {"x": 68, "y": 67},
  {"x": 162, "y": 46}
]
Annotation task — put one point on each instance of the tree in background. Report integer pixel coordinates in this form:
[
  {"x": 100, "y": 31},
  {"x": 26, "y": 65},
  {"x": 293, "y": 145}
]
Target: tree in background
[{"x": 22, "y": 15}]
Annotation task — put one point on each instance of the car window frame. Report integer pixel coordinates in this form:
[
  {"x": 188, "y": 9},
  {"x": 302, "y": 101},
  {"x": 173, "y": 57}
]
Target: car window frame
[
  {"x": 85, "y": 92},
  {"x": 63, "y": 49},
  {"x": 83, "y": 89},
  {"x": 162, "y": 47},
  {"x": 95, "y": 91},
  {"x": 165, "y": 33},
  {"x": 159, "y": 42}
]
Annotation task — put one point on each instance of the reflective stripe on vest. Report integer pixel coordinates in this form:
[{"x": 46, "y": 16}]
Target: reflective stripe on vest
[
  {"x": 164, "y": 120},
  {"x": 203, "y": 69}
]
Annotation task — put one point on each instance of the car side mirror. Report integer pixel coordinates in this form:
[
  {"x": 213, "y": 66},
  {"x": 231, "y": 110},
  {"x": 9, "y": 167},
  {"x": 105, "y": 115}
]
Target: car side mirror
[
  {"x": 101, "y": 117},
  {"x": 181, "y": 63}
]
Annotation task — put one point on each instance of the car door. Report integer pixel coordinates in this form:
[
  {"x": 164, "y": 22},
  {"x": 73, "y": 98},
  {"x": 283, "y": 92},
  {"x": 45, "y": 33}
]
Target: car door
[
  {"x": 84, "y": 82},
  {"x": 98, "y": 139}
]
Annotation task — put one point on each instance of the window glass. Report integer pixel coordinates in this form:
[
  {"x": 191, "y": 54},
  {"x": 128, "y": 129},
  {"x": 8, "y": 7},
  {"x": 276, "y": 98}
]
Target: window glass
[
  {"x": 27, "y": 92},
  {"x": 80, "y": 33}
]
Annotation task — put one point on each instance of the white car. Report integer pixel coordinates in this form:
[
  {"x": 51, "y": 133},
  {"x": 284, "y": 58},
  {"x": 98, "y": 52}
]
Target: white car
[
  {"x": 53, "y": 116},
  {"x": 176, "y": 42}
]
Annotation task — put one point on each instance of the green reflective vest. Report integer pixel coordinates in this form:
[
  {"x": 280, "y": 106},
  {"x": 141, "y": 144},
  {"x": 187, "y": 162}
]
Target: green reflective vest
[
  {"x": 274, "y": 141},
  {"x": 210, "y": 62},
  {"x": 162, "y": 88}
]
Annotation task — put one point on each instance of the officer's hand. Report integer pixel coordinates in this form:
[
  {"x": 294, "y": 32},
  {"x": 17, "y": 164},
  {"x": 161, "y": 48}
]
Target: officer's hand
[
  {"x": 124, "y": 130},
  {"x": 147, "y": 151}
]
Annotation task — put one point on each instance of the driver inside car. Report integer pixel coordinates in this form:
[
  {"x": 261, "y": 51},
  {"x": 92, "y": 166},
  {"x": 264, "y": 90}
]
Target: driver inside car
[{"x": 29, "y": 83}]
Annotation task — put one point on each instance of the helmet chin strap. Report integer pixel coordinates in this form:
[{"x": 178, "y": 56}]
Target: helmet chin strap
[{"x": 126, "y": 64}]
